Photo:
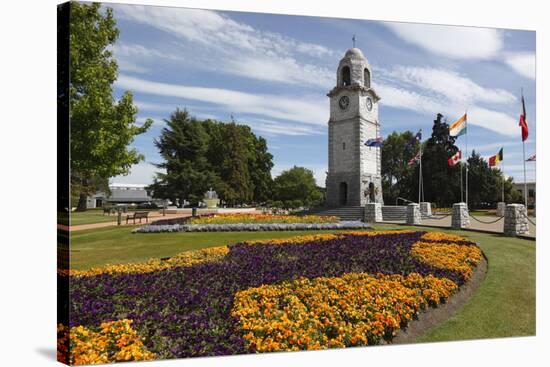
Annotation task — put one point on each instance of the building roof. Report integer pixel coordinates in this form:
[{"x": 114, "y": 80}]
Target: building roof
[
  {"x": 135, "y": 186},
  {"x": 129, "y": 194}
]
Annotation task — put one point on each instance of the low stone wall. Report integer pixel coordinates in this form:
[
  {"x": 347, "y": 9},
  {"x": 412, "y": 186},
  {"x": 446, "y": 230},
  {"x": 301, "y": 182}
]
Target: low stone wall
[
  {"x": 460, "y": 216},
  {"x": 426, "y": 208},
  {"x": 501, "y": 209},
  {"x": 413, "y": 214},
  {"x": 515, "y": 220},
  {"x": 373, "y": 213}
]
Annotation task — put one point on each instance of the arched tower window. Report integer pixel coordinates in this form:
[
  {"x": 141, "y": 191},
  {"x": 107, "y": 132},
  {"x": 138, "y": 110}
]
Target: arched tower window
[
  {"x": 346, "y": 76},
  {"x": 366, "y": 77}
]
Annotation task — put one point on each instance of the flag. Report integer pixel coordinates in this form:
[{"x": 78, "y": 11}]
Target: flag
[
  {"x": 377, "y": 142},
  {"x": 413, "y": 139},
  {"x": 496, "y": 159},
  {"x": 459, "y": 127},
  {"x": 523, "y": 121},
  {"x": 532, "y": 158},
  {"x": 414, "y": 160},
  {"x": 454, "y": 159}
]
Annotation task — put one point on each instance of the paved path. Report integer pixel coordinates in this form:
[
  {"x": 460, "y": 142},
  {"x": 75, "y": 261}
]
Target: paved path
[
  {"x": 497, "y": 227},
  {"x": 152, "y": 217}
]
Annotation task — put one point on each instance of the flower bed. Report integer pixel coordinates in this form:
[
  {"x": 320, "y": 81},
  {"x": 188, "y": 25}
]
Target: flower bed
[
  {"x": 308, "y": 292},
  {"x": 262, "y": 218},
  {"x": 240, "y": 227},
  {"x": 248, "y": 218}
]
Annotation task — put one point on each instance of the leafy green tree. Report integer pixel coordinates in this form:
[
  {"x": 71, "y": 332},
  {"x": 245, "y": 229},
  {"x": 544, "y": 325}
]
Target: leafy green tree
[
  {"x": 397, "y": 175},
  {"x": 297, "y": 184},
  {"x": 486, "y": 184},
  {"x": 183, "y": 144},
  {"x": 101, "y": 127}
]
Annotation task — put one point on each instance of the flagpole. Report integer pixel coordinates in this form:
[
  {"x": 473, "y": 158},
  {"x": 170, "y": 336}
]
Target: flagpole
[
  {"x": 461, "y": 189},
  {"x": 503, "y": 179},
  {"x": 524, "y": 176},
  {"x": 523, "y": 145},
  {"x": 466, "y": 113},
  {"x": 420, "y": 172}
]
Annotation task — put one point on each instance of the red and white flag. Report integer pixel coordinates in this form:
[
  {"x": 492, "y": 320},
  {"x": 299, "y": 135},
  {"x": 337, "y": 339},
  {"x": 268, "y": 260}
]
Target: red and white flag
[{"x": 455, "y": 158}]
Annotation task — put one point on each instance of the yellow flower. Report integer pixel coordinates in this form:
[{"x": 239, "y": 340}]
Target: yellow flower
[
  {"x": 115, "y": 341},
  {"x": 338, "y": 312}
]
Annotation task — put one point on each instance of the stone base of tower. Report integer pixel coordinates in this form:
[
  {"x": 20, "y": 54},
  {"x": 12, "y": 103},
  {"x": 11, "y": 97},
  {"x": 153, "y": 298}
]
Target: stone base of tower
[{"x": 352, "y": 190}]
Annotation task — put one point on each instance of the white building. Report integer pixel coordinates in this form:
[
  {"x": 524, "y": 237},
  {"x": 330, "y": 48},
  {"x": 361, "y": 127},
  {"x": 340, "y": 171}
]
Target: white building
[{"x": 531, "y": 191}]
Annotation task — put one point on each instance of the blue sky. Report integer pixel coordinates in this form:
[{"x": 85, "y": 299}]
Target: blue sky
[{"x": 272, "y": 72}]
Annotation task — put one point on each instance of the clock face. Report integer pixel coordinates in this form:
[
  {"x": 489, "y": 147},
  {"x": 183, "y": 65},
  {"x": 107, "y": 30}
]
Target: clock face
[
  {"x": 369, "y": 104},
  {"x": 343, "y": 102}
]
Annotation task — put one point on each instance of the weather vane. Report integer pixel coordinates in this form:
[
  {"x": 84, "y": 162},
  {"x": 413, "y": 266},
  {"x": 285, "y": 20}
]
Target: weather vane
[{"x": 353, "y": 39}]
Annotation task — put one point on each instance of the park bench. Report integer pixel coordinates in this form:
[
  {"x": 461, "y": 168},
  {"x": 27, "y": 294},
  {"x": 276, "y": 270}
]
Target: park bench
[{"x": 138, "y": 215}]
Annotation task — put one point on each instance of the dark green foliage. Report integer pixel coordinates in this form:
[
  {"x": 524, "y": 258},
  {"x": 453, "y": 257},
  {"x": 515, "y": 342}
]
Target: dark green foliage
[
  {"x": 199, "y": 155},
  {"x": 397, "y": 176},
  {"x": 441, "y": 182},
  {"x": 101, "y": 128},
  {"x": 297, "y": 186}
]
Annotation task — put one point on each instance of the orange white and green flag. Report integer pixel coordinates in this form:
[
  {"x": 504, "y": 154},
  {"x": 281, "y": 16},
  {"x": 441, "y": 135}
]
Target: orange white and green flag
[{"x": 459, "y": 127}]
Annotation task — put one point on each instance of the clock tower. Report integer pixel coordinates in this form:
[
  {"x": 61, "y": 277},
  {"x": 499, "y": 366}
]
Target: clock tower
[{"x": 354, "y": 170}]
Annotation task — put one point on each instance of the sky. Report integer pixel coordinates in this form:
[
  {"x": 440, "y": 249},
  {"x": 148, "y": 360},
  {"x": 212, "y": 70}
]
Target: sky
[{"x": 272, "y": 72}]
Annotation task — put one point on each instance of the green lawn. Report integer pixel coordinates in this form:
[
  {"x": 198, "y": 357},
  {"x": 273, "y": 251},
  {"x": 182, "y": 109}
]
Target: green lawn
[{"x": 503, "y": 305}]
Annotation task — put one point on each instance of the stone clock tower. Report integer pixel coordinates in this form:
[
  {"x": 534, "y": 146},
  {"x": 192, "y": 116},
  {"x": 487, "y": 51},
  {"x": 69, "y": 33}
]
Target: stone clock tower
[{"x": 354, "y": 170}]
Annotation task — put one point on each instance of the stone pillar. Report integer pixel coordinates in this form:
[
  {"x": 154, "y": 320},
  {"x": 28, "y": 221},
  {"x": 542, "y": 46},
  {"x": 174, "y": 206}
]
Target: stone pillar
[
  {"x": 413, "y": 214},
  {"x": 501, "y": 208},
  {"x": 426, "y": 208},
  {"x": 460, "y": 218},
  {"x": 373, "y": 213},
  {"x": 515, "y": 220}
]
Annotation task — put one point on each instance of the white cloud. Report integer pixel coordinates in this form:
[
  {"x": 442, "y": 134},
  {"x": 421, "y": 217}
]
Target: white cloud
[
  {"x": 523, "y": 63},
  {"x": 276, "y": 128},
  {"x": 446, "y": 92},
  {"x": 451, "y": 41},
  {"x": 141, "y": 173},
  {"x": 398, "y": 97},
  {"x": 301, "y": 109},
  {"x": 493, "y": 120},
  {"x": 286, "y": 70},
  {"x": 245, "y": 51},
  {"x": 213, "y": 29},
  {"x": 450, "y": 84}
]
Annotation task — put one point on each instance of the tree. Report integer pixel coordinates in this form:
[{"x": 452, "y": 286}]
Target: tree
[
  {"x": 101, "y": 128},
  {"x": 397, "y": 175},
  {"x": 234, "y": 168},
  {"x": 183, "y": 144},
  {"x": 296, "y": 184},
  {"x": 201, "y": 154},
  {"x": 441, "y": 182},
  {"x": 260, "y": 170}
]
